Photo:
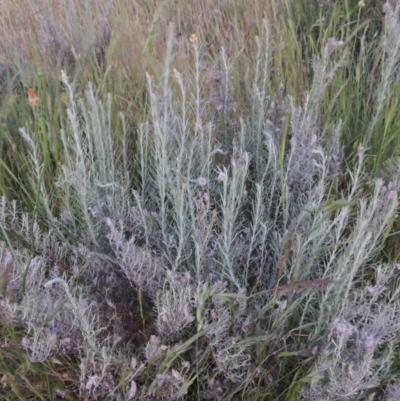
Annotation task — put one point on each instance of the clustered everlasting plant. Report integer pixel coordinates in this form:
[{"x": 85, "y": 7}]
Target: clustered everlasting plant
[{"x": 205, "y": 255}]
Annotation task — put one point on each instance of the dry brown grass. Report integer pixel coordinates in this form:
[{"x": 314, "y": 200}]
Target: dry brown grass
[{"x": 39, "y": 30}]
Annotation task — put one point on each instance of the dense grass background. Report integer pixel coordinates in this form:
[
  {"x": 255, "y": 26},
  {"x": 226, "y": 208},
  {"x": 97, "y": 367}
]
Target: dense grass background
[{"x": 203, "y": 202}]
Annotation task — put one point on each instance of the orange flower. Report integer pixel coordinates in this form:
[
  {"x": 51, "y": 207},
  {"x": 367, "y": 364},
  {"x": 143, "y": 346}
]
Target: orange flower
[{"x": 34, "y": 99}]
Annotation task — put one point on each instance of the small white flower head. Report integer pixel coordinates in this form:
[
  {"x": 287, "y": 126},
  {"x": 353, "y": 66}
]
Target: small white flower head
[
  {"x": 201, "y": 182},
  {"x": 374, "y": 289},
  {"x": 361, "y": 4},
  {"x": 343, "y": 327},
  {"x": 332, "y": 44},
  {"x": 94, "y": 211},
  {"x": 222, "y": 177},
  {"x": 369, "y": 342}
]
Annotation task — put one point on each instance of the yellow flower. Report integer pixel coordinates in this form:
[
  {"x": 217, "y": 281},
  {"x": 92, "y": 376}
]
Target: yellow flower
[{"x": 194, "y": 39}]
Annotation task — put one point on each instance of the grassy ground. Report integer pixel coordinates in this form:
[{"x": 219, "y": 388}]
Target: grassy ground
[{"x": 199, "y": 200}]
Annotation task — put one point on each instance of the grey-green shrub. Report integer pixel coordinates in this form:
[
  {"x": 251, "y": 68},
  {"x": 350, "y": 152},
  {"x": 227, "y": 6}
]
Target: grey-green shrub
[{"x": 235, "y": 236}]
